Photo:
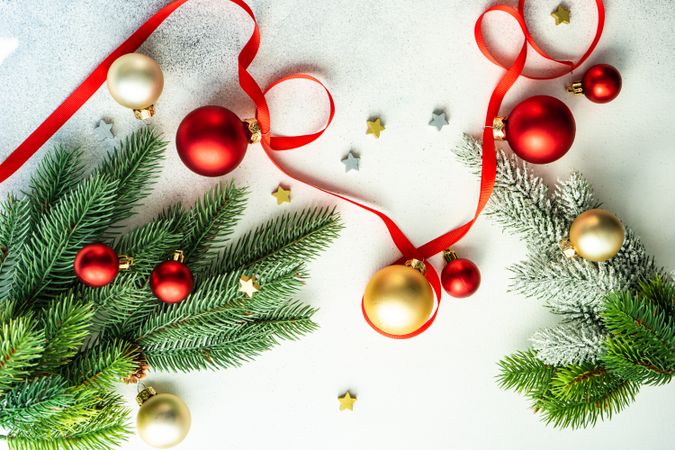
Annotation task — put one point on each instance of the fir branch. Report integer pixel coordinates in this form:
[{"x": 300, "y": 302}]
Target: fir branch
[
  {"x": 573, "y": 196},
  {"x": 66, "y": 325},
  {"x": 58, "y": 173},
  {"x": 150, "y": 243},
  {"x": 102, "y": 365},
  {"x": 96, "y": 423},
  {"x": 134, "y": 165},
  {"x": 641, "y": 346},
  {"x": 36, "y": 400},
  {"x": 45, "y": 267},
  {"x": 289, "y": 240},
  {"x": 15, "y": 227},
  {"x": 600, "y": 402},
  {"x": 211, "y": 221},
  {"x": 524, "y": 373},
  {"x": 21, "y": 346},
  {"x": 569, "y": 343}
]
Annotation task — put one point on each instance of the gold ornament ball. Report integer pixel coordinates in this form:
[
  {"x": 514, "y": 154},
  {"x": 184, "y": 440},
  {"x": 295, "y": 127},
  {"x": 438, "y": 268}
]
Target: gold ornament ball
[
  {"x": 398, "y": 299},
  {"x": 135, "y": 81},
  {"x": 163, "y": 420},
  {"x": 597, "y": 235}
]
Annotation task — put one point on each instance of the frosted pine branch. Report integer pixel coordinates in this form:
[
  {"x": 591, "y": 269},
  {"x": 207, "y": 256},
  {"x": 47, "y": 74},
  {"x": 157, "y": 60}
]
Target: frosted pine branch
[{"x": 568, "y": 343}]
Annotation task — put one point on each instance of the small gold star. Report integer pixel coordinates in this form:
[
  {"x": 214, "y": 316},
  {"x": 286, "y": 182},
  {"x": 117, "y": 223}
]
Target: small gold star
[
  {"x": 248, "y": 285},
  {"x": 375, "y": 127},
  {"x": 282, "y": 195},
  {"x": 347, "y": 401},
  {"x": 561, "y": 14}
]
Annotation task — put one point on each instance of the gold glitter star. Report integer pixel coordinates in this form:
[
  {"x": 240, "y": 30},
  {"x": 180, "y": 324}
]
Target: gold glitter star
[
  {"x": 561, "y": 14},
  {"x": 375, "y": 127},
  {"x": 282, "y": 195},
  {"x": 248, "y": 285},
  {"x": 347, "y": 401}
]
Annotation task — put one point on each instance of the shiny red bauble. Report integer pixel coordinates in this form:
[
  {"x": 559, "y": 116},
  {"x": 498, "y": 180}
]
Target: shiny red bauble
[
  {"x": 212, "y": 140},
  {"x": 601, "y": 83},
  {"x": 171, "y": 281},
  {"x": 96, "y": 265},
  {"x": 460, "y": 277},
  {"x": 541, "y": 129}
]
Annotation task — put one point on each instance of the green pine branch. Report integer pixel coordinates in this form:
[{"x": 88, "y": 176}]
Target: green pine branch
[
  {"x": 66, "y": 325},
  {"x": 45, "y": 265},
  {"x": 15, "y": 227},
  {"x": 21, "y": 346},
  {"x": 134, "y": 166},
  {"x": 58, "y": 173},
  {"x": 102, "y": 365},
  {"x": 211, "y": 221},
  {"x": 641, "y": 346}
]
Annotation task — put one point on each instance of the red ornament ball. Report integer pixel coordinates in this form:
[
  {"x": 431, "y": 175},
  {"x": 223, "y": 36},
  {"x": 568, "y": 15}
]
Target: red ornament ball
[
  {"x": 212, "y": 141},
  {"x": 541, "y": 129},
  {"x": 171, "y": 281},
  {"x": 96, "y": 265},
  {"x": 601, "y": 83},
  {"x": 460, "y": 278}
]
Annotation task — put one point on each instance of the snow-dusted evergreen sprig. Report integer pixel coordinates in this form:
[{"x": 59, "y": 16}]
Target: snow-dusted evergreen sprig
[
  {"x": 618, "y": 317},
  {"x": 574, "y": 288}
]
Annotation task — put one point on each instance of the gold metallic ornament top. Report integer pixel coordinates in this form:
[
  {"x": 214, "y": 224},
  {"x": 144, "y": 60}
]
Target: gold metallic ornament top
[
  {"x": 136, "y": 81},
  {"x": 178, "y": 255},
  {"x": 499, "y": 128},
  {"x": 596, "y": 235},
  {"x": 417, "y": 265},
  {"x": 398, "y": 299},
  {"x": 163, "y": 419},
  {"x": 449, "y": 255},
  {"x": 125, "y": 262},
  {"x": 576, "y": 88},
  {"x": 254, "y": 131}
]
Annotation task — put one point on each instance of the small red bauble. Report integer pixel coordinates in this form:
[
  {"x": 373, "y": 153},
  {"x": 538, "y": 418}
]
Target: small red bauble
[
  {"x": 600, "y": 84},
  {"x": 460, "y": 277},
  {"x": 212, "y": 140},
  {"x": 540, "y": 130},
  {"x": 96, "y": 265},
  {"x": 171, "y": 281}
]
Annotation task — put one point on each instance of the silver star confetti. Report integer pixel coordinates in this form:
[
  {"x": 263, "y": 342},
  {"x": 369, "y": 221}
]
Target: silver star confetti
[
  {"x": 438, "y": 120},
  {"x": 103, "y": 130},
  {"x": 351, "y": 161}
]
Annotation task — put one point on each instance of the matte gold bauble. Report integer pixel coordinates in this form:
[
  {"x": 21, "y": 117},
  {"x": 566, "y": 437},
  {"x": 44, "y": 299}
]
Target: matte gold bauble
[
  {"x": 136, "y": 81},
  {"x": 596, "y": 235},
  {"x": 163, "y": 419},
  {"x": 398, "y": 298}
]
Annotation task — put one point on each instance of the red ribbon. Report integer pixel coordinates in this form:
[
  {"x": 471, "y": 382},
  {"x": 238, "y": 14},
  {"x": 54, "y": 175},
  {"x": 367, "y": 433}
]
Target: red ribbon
[{"x": 278, "y": 143}]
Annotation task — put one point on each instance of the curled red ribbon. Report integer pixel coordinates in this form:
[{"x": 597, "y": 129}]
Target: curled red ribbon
[{"x": 278, "y": 143}]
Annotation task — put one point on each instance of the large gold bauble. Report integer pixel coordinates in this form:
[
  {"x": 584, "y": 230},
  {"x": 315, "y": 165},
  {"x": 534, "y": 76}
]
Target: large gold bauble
[
  {"x": 597, "y": 235},
  {"x": 135, "y": 81},
  {"x": 398, "y": 299},
  {"x": 163, "y": 419}
]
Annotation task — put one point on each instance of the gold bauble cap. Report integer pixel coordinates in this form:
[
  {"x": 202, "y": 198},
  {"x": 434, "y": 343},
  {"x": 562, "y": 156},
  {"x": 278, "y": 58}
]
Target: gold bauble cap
[
  {"x": 136, "y": 81},
  {"x": 398, "y": 299},
  {"x": 163, "y": 420},
  {"x": 597, "y": 235}
]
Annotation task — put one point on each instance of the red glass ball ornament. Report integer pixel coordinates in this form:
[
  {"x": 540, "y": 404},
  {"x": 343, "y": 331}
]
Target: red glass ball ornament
[
  {"x": 96, "y": 265},
  {"x": 601, "y": 83},
  {"x": 541, "y": 129},
  {"x": 212, "y": 140},
  {"x": 171, "y": 281},
  {"x": 460, "y": 277}
]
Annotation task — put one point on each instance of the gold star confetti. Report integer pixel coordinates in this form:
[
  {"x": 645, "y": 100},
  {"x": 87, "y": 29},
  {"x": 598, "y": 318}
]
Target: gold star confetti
[
  {"x": 282, "y": 195},
  {"x": 248, "y": 285},
  {"x": 375, "y": 127},
  {"x": 561, "y": 14},
  {"x": 347, "y": 401}
]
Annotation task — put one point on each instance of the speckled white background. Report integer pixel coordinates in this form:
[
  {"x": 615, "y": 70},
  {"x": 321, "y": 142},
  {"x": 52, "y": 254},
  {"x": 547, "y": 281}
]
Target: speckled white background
[{"x": 399, "y": 60}]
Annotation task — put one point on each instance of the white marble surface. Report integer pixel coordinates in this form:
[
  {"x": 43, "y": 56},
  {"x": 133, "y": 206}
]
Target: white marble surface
[{"x": 399, "y": 60}]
